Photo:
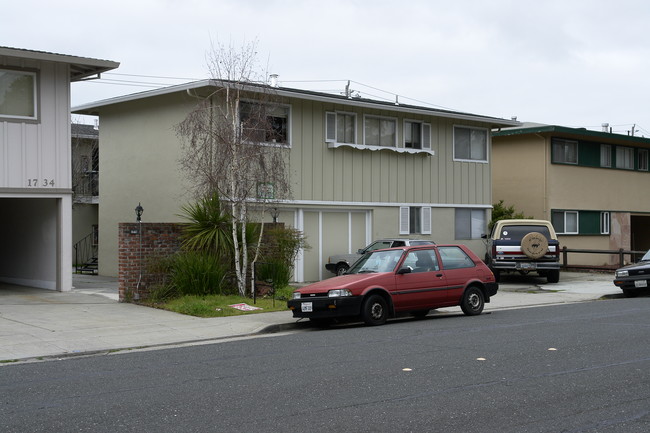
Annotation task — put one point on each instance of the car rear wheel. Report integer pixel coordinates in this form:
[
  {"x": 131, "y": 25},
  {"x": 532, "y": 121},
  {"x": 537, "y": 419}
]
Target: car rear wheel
[
  {"x": 374, "y": 311},
  {"x": 553, "y": 276},
  {"x": 342, "y": 269},
  {"x": 473, "y": 301}
]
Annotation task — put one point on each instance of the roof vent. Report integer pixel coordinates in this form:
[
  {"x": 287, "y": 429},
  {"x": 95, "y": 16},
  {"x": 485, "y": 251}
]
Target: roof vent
[
  {"x": 273, "y": 80},
  {"x": 605, "y": 127}
]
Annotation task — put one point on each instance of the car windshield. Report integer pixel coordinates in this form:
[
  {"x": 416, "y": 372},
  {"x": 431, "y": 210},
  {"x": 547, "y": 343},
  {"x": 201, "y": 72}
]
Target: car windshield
[{"x": 376, "y": 261}]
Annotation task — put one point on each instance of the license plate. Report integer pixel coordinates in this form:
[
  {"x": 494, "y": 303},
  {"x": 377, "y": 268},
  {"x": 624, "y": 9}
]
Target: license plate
[
  {"x": 306, "y": 307},
  {"x": 641, "y": 283},
  {"x": 527, "y": 266}
]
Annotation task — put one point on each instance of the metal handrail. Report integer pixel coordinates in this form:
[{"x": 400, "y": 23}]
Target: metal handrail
[{"x": 84, "y": 250}]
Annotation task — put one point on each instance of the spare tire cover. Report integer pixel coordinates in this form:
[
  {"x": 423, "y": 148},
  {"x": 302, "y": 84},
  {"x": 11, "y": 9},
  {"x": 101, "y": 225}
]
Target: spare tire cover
[{"x": 534, "y": 245}]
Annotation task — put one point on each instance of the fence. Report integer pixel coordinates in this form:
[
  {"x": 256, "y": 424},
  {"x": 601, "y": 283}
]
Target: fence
[{"x": 620, "y": 252}]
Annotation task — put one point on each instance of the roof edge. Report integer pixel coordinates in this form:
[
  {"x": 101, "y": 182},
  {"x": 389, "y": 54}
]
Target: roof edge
[{"x": 88, "y": 108}]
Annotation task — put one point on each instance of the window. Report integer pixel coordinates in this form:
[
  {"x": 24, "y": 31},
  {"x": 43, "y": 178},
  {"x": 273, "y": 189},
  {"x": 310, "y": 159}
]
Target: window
[
  {"x": 470, "y": 223},
  {"x": 340, "y": 127},
  {"x": 605, "y": 155},
  {"x": 604, "y": 223},
  {"x": 625, "y": 158},
  {"x": 455, "y": 258},
  {"x": 414, "y": 220},
  {"x": 417, "y": 135},
  {"x": 565, "y": 151},
  {"x": 470, "y": 144},
  {"x": 565, "y": 222},
  {"x": 264, "y": 123},
  {"x": 643, "y": 160},
  {"x": 380, "y": 131},
  {"x": 18, "y": 94},
  {"x": 422, "y": 261}
]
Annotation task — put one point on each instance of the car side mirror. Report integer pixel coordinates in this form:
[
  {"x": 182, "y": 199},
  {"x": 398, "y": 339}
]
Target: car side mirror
[
  {"x": 405, "y": 270},
  {"x": 484, "y": 236},
  {"x": 360, "y": 251}
]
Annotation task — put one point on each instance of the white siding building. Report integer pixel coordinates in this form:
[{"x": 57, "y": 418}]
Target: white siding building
[{"x": 35, "y": 165}]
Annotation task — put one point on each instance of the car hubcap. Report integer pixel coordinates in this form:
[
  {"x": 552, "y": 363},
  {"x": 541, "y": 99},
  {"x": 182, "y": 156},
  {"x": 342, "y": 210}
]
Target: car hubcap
[
  {"x": 474, "y": 301},
  {"x": 376, "y": 311}
]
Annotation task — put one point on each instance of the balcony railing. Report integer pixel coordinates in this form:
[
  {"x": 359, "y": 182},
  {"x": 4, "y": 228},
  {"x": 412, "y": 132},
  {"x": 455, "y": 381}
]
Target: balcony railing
[{"x": 87, "y": 184}]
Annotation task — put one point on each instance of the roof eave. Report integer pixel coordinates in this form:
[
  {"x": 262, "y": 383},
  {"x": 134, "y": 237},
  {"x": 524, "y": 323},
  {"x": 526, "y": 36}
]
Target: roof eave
[
  {"x": 91, "y": 108},
  {"x": 80, "y": 67}
]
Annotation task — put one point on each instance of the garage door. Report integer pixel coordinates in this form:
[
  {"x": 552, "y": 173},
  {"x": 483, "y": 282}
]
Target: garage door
[{"x": 332, "y": 232}]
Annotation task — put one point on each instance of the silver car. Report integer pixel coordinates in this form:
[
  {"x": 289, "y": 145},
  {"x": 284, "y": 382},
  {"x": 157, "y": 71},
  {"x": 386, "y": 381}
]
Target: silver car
[{"x": 340, "y": 263}]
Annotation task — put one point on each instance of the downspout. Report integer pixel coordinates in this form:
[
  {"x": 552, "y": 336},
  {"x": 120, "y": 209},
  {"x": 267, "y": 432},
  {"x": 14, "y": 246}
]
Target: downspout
[{"x": 545, "y": 209}]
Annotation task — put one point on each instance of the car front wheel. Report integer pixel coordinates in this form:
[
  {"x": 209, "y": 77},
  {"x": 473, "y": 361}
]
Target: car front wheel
[
  {"x": 342, "y": 269},
  {"x": 374, "y": 311},
  {"x": 473, "y": 301}
]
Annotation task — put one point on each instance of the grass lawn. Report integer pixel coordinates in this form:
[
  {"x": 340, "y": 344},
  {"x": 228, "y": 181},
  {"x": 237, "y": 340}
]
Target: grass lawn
[{"x": 219, "y": 306}]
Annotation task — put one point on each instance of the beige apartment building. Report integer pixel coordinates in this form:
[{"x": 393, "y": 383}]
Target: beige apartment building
[
  {"x": 592, "y": 185},
  {"x": 360, "y": 169}
]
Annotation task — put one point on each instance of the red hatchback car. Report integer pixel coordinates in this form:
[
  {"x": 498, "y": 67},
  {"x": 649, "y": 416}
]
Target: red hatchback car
[{"x": 385, "y": 283}]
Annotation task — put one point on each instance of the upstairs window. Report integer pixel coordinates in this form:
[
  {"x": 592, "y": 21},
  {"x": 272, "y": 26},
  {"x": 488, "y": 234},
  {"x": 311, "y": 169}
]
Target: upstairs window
[
  {"x": 340, "y": 127},
  {"x": 470, "y": 144},
  {"x": 643, "y": 160},
  {"x": 417, "y": 135},
  {"x": 625, "y": 158},
  {"x": 18, "y": 95},
  {"x": 262, "y": 123},
  {"x": 565, "y": 151},
  {"x": 605, "y": 155},
  {"x": 379, "y": 131}
]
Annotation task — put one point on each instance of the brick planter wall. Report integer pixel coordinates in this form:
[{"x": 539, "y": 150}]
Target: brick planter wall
[{"x": 136, "y": 251}]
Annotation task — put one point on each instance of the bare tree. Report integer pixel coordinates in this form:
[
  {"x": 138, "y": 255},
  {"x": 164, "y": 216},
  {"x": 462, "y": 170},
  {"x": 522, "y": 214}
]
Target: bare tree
[{"x": 235, "y": 144}]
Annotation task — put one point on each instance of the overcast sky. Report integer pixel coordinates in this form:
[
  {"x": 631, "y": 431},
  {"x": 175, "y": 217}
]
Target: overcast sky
[{"x": 576, "y": 63}]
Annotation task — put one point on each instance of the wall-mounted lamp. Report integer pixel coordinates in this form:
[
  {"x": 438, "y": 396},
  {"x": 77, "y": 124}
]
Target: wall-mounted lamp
[
  {"x": 275, "y": 212},
  {"x": 138, "y": 212}
]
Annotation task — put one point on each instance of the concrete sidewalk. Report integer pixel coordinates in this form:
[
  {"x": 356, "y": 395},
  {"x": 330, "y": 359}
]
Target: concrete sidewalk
[{"x": 38, "y": 324}]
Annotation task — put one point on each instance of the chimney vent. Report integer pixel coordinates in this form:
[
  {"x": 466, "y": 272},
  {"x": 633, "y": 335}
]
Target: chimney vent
[
  {"x": 273, "y": 78},
  {"x": 605, "y": 127}
]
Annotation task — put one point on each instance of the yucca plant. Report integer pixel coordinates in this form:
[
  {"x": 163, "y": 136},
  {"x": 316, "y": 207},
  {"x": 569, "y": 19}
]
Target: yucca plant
[{"x": 209, "y": 228}]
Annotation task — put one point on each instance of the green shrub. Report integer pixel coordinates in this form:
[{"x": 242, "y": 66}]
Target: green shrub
[
  {"x": 284, "y": 293},
  {"x": 275, "y": 271},
  {"x": 198, "y": 273}
]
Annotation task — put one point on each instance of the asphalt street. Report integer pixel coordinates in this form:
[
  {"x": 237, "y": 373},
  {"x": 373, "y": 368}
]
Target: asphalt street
[{"x": 579, "y": 367}]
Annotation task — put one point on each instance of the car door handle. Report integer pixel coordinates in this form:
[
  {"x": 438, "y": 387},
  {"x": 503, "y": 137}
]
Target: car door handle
[{"x": 439, "y": 275}]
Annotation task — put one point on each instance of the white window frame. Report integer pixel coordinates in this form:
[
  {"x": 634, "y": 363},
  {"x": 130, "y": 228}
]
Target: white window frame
[
  {"x": 404, "y": 220},
  {"x": 564, "y": 143},
  {"x": 272, "y": 105},
  {"x": 374, "y": 146},
  {"x": 564, "y": 216},
  {"x": 643, "y": 160},
  {"x": 35, "y": 91},
  {"x": 487, "y": 144},
  {"x": 625, "y": 157},
  {"x": 331, "y": 119},
  {"x": 474, "y": 232},
  {"x": 605, "y": 220},
  {"x": 425, "y": 134},
  {"x": 606, "y": 155}
]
